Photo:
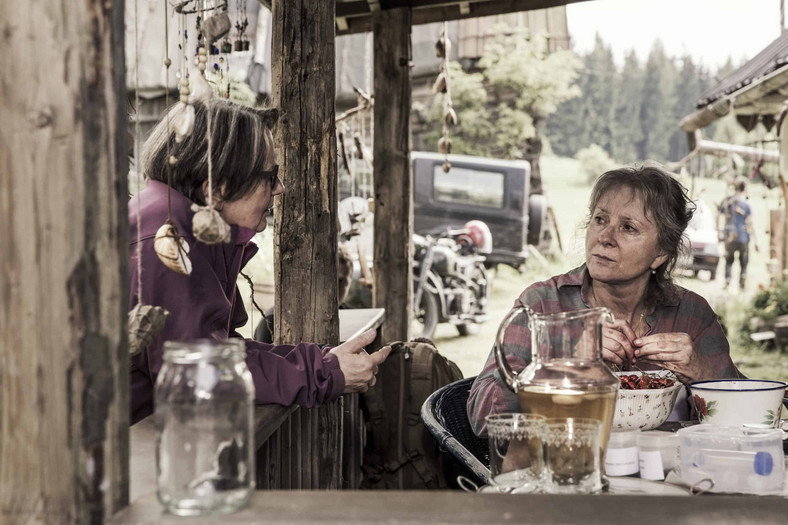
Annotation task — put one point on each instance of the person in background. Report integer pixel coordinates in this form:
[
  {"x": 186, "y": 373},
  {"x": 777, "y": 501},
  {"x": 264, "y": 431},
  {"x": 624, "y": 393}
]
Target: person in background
[
  {"x": 637, "y": 218},
  {"x": 737, "y": 230},
  {"x": 207, "y": 303}
]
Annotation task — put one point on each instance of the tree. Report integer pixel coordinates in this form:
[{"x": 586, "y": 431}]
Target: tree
[
  {"x": 596, "y": 113},
  {"x": 657, "y": 120},
  {"x": 503, "y": 103},
  {"x": 627, "y": 132}
]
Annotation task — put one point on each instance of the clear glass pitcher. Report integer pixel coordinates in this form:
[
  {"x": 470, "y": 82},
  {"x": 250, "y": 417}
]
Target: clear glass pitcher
[{"x": 566, "y": 376}]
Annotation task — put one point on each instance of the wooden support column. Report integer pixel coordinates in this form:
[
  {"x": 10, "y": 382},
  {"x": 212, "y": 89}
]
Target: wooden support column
[
  {"x": 782, "y": 172},
  {"x": 63, "y": 262},
  {"x": 305, "y": 242},
  {"x": 392, "y": 171}
]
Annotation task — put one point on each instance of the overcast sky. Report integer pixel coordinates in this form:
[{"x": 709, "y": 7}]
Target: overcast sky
[{"x": 710, "y": 30}]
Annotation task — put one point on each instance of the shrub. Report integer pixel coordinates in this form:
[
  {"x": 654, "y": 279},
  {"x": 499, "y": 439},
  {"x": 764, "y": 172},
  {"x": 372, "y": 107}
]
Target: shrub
[{"x": 594, "y": 161}]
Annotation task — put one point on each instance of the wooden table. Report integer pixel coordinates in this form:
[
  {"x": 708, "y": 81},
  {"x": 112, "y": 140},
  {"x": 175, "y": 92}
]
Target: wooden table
[{"x": 417, "y": 507}]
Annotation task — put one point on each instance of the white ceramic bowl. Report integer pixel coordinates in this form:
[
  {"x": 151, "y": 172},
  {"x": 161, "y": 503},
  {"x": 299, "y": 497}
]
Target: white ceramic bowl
[
  {"x": 733, "y": 402},
  {"x": 644, "y": 409}
]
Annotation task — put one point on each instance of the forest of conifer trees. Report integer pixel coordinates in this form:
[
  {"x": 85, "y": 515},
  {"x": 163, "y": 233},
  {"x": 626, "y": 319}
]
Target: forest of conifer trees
[{"x": 631, "y": 111}]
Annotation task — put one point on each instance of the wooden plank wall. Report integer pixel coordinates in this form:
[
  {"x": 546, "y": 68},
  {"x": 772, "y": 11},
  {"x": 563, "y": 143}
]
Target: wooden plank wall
[
  {"x": 63, "y": 254},
  {"x": 309, "y": 450}
]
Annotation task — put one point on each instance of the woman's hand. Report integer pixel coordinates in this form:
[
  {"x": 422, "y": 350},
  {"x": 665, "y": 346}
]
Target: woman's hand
[
  {"x": 357, "y": 365},
  {"x": 675, "y": 352},
  {"x": 617, "y": 337}
]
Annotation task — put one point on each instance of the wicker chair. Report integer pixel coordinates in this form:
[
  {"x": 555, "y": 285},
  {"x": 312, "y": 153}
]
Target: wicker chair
[{"x": 445, "y": 415}]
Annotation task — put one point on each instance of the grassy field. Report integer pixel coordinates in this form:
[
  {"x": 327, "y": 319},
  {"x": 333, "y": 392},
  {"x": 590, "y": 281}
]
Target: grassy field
[{"x": 568, "y": 190}]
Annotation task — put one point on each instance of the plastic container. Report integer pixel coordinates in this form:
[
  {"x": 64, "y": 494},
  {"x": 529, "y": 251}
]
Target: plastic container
[
  {"x": 622, "y": 454},
  {"x": 658, "y": 453},
  {"x": 734, "y": 459}
]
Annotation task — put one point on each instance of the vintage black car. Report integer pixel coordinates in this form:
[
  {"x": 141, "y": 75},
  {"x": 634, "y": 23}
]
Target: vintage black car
[{"x": 491, "y": 190}]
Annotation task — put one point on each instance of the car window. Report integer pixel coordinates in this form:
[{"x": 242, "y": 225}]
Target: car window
[{"x": 468, "y": 186}]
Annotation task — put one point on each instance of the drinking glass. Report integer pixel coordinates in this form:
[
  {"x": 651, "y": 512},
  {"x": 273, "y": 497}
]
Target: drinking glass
[
  {"x": 572, "y": 458},
  {"x": 516, "y": 451}
]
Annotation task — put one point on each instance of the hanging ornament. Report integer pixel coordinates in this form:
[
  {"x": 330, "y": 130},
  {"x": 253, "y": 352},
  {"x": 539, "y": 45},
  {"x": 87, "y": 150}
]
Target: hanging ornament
[
  {"x": 444, "y": 145},
  {"x": 172, "y": 249},
  {"x": 215, "y": 27},
  {"x": 442, "y": 49},
  {"x": 440, "y": 83},
  {"x": 145, "y": 323},
  {"x": 208, "y": 225}
]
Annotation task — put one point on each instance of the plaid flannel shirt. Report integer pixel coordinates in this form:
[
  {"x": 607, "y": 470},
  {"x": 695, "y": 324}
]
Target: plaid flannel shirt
[{"x": 689, "y": 313}]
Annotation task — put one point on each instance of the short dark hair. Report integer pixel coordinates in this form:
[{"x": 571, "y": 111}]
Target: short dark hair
[
  {"x": 665, "y": 201},
  {"x": 241, "y": 143}
]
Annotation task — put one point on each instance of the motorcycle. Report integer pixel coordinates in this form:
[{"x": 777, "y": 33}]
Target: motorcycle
[{"x": 451, "y": 282}]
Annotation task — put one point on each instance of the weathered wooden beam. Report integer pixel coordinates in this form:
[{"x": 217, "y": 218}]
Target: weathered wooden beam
[
  {"x": 63, "y": 253},
  {"x": 392, "y": 172},
  {"x": 406, "y": 507},
  {"x": 305, "y": 241},
  {"x": 426, "y": 12}
]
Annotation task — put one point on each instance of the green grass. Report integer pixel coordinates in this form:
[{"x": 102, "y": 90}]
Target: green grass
[{"x": 568, "y": 191}]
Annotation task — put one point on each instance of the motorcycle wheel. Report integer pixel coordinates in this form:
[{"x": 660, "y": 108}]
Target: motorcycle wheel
[
  {"x": 468, "y": 329},
  {"x": 479, "y": 273},
  {"x": 425, "y": 319}
]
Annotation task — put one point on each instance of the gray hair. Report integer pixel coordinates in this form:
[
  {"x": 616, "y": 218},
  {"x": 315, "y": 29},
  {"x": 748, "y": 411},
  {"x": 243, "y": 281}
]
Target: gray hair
[
  {"x": 241, "y": 144},
  {"x": 665, "y": 201}
]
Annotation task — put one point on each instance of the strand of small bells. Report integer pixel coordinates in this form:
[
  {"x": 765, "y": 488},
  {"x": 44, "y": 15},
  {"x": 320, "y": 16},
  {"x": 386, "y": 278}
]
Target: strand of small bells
[
  {"x": 441, "y": 85},
  {"x": 147, "y": 321}
]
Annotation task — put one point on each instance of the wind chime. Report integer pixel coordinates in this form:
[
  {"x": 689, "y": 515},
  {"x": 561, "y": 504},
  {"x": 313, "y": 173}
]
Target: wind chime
[
  {"x": 442, "y": 50},
  {"x": 146, "y": 321}
]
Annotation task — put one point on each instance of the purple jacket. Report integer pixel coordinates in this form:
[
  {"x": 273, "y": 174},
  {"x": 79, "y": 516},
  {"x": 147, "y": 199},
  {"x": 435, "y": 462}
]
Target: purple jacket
[{"x": 207, "y": 304}]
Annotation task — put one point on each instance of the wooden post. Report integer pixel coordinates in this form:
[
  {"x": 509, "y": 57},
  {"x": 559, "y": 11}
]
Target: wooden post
[
  {"x": 305, "y": 244},
  {"x": 392, "y": 170},
  {"x": 782, "y": 172},
  {"x": 305, "y": 241},
  {"x": 63, "y": 254}
]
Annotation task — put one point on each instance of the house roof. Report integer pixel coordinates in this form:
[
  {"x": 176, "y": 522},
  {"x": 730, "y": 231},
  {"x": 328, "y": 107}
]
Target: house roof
[{"x": 773, "y": 57}]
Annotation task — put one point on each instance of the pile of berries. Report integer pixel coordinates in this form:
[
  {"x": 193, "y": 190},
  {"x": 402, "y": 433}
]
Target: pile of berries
[{"x": 644, "y": 381}]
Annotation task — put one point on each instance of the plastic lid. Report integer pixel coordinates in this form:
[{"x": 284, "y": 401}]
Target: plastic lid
[
  {"x": 763, "y": 463},
  {"x": 623, "y": 439},
  {"x": 658, "y": 438}
]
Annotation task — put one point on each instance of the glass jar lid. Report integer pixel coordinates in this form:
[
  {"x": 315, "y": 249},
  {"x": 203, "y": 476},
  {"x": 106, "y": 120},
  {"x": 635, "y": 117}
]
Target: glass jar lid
[{"x": 184, "y": 352}]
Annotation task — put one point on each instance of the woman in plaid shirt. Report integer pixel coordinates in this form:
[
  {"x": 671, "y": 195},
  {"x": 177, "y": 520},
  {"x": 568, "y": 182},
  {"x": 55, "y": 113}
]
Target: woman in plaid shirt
[{"x": 637, "y": 220}]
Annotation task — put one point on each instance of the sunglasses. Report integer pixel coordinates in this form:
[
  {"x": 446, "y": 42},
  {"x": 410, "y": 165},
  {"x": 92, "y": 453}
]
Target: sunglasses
[{"x": 273, "y": 176}]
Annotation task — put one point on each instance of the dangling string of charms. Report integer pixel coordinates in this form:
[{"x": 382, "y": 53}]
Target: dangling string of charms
[
  {"x": 171, "y": 248},
  {"x": 208, "y": 225},
  {"x": 145, "y": 321},
  {"x": 443, "y": 50}
]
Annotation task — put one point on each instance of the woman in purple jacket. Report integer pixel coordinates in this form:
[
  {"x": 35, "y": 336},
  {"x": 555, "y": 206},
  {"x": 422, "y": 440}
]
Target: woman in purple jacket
[{"x": 207, "y": 303}]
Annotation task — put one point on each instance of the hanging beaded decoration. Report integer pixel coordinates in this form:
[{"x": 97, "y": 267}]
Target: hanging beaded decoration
[
  {"x": 208, "y": 225},
  {"x": 145, "y": 321},
  {"x": 170, "y": 247},
  {"x": 442, "y": 50},
  {"x": 241, "y": 42}
]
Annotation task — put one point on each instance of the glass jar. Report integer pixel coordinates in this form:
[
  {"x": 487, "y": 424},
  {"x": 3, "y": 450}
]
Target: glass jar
[{"x": 205, "y": 420}]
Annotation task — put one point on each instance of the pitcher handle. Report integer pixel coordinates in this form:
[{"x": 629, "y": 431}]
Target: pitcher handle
[{"x": 509, "y": 377}]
